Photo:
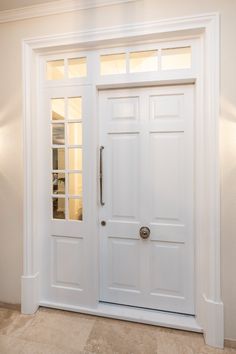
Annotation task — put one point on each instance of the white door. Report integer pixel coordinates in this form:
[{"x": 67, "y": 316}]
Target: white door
[{"x": 147, "y": 181}]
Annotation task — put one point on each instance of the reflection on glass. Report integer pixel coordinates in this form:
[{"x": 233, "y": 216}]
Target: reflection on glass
[
  {"x": 58, "y": 108},
  {"x": 75, "y": 133},
  {"x": 58, "y": 206},
  {"x": 58, "y": 134},
  {"x": 75, "y": 183},
  {"x": 58, "y": 183},
  {"x": 74, "y": 108},
  {"x": 58, "y": 159},
  {"x": 113, "y": 64},
  {"x": 75, "y": 158},
  {"x": 75, "y": 209},
  {"x": 55, "y": 70},
  {"x": 143, "y": 61},
  {"x": 77, "y": 67},
  {"x": 176, "y": 58}
]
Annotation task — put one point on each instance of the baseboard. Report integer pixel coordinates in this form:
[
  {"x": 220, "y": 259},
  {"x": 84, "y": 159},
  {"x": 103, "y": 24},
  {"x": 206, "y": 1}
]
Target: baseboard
[
  {"x": 29, "y": 294},
  {"x": 13, "y": 307},
  {"x": 214, "y": 323},
  {"x": 230, "y": 343}
]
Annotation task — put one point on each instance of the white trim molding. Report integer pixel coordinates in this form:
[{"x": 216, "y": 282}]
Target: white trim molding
[
  {"x": 54, "y": 8},
  {"x": 214, "y": 319},
  {"x": 209, "y": 308},
  {"x": 29, "y": 294}
]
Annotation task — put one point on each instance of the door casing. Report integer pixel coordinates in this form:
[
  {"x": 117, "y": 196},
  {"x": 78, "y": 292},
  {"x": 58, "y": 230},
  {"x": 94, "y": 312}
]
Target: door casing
[{"x": 205, "y": 28}]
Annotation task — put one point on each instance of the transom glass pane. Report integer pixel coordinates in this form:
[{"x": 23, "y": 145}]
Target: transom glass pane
[
  {"x": 58, "y": 206},
  {"x": 75, "y": 158},
  {"x": 75, "y": 133},
  {"x": 143, "y": 61},
  {"x": 58, "y": 183},
  {"x": 75, "y": 209},
  {"x": 58, "y": 159},
  {"x": 75, "y": 183},
  {"x": 58, "y": 108},
  {"x": 77, "y": 67},
  {"x": 113, "y": 64},
  {"x": 58, "y": 134},
  {"x": 74, "y": 108},
  {"x": 176, "y": 58},
  {"x": 55, "y": 70}
]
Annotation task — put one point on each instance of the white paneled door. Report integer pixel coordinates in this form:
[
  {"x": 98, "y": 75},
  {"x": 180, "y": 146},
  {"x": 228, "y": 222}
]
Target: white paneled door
[{"x": 146, "y": 197}]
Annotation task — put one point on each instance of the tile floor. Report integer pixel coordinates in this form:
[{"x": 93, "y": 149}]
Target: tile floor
[{"x": 60, "y": 332}]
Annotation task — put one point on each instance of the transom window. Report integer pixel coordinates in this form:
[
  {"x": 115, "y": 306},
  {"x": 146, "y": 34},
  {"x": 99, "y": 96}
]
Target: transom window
[{"x": 63, "y": 69}]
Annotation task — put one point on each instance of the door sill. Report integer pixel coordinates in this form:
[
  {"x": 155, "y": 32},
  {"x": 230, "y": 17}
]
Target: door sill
[{"x": 133, "y": 314}]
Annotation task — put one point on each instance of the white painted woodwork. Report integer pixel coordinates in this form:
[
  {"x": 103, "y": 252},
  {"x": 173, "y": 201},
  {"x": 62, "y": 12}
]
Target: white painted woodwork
[
  {"x": 201, "y": 32},
  {"x": 66, "y": 274},
  {"x": 147, "y": 134}
]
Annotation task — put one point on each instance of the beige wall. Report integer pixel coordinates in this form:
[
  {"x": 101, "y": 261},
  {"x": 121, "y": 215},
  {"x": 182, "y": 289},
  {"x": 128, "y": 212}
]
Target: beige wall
[{"x": 11, "y": 174}]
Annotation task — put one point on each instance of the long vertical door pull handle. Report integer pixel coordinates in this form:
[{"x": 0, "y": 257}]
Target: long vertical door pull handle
[{"x": 101, "y": 176}]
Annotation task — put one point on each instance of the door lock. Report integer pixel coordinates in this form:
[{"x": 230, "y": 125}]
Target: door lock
[
  {"x": 144, "y": 232},
  {"x": 103, "y": 223}
]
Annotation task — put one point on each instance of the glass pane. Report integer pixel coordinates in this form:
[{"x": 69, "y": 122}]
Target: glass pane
[
  {"x": 75, "y": 108},
  {"x": 58, "y": 183},
  {"x": 77, "y": 67},
  {"x": 75, "y": 133},
  {"x": 75, "y": 209},
  {"x": 58, "y": 205},
  {"x": 58, "y": 159},
  {"x": 75, "y": 159},
  {"x": 58, "y": 134},
  {"x": 58, "y": 108},
  {"x": 113, "y": 64},
  {"x": 75, "y": 183},
  {"x": 176, "y": 58},
  {"x": 55, "y": 70},
  {"x": 143, "y": 61}
]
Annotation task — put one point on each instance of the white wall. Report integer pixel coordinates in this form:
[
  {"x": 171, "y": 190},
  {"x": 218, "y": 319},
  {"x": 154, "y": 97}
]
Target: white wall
[{"x": 11, "y": 218}]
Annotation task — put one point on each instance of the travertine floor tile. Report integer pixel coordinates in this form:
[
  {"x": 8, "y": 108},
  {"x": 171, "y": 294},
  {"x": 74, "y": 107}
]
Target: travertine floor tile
[
  {"x": 13, "y": 345},
  {"x": 60, "y": 332},
  {"x": 12, "y": 322},
  {"x": 112, "y": 336},
  {"x": 67, "y": 332}
]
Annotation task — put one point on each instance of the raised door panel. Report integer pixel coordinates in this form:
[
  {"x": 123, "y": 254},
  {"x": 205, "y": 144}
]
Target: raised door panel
[
  {"x": 167, "y": 177},
  {"x": 124, "y": 261},
  {"x": 123, "y": 173},
  {"x": 167, "y": 106},
  {"x": 123, "y": 108},
  {"x": 67, "y": 262}
]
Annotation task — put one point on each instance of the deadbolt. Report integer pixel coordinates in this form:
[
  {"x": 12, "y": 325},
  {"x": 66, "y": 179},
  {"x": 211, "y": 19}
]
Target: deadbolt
[
  {"x": 144, "y": 232},
  {"x": 103, "y": 223}
]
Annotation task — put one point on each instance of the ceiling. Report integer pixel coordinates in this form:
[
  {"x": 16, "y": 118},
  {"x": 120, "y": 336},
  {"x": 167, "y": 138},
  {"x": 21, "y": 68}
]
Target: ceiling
[{"x": 14, "y": 4}]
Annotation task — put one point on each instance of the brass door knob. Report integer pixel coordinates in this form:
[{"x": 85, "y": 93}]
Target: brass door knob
[{"x": 144, "y": 232}]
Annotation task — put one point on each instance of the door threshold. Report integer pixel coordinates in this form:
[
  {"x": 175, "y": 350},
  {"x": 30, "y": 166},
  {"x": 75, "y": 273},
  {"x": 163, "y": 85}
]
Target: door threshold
[{"x": 133, "y": 314}]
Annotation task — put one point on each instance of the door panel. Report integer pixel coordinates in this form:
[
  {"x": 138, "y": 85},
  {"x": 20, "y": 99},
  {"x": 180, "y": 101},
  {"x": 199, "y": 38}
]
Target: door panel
[
  {"x": 147, "y": 134},
  {"x": 124, "y": 181},
  {"x": 68, "y": 261},
  {"x": 129, "y": 251},
  {"x": 167, "y": 176}
]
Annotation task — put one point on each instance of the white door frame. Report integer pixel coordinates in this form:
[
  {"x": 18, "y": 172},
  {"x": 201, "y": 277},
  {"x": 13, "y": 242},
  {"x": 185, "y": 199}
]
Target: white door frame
[{"x": 209, "y": 307}]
